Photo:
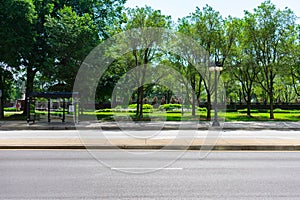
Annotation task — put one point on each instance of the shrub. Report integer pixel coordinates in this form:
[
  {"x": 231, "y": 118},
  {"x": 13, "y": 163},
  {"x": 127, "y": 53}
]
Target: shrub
[
  {"x": 10, "y": 109},
  {"x": 169, "y": 107},
  {"x": 145, "y": 106},
  {"x": 202, "y": 109},
  {"x": 132, "y": 106}
]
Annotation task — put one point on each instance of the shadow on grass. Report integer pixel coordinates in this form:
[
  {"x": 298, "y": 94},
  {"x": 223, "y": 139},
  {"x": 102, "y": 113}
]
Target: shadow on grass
[
  {"x": 229, "y": 117},
  {"x": 15, "y": 117},
  {"x": 242, "y": 117}
]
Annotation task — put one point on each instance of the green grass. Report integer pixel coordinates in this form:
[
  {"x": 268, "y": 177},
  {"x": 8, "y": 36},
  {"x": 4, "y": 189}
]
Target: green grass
[
  {"x": 110, "y": 115},
  {"x": 285, "y": 115},
  {"x": 10, "y": 115},
  {"x": 10, "y": 109}
]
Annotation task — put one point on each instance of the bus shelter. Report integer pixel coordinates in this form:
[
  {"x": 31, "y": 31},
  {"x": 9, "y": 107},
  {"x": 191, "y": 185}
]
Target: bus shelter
[{"x": 31, "y": 103}]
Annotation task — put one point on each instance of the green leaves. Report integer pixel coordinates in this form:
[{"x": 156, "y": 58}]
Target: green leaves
[
  {"x": 70, "y": 37},
  {"x": 16, "y": 31},
  {"x": 146, "y": 17}
]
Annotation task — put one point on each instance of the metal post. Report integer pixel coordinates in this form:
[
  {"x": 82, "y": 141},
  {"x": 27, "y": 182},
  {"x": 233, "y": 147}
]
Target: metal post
[
  {"x": 28, "y": 110},
  {"x": 49, "y": 111},
  {"x": 216, "y": 68},
  {"x": 75, "y": 110},
  {"x": 64, "y": 104},
  {"x": 182, "y": 99},
  {"x": 215, "y": 122}
]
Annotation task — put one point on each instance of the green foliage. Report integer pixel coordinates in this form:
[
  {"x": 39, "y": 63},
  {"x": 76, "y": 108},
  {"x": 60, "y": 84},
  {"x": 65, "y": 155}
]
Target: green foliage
[
  {"x": 52, "y": 37},
  {"x": 145, "y": 106},
  {"x": 71, "y": 38},
  {"x": 146, "y": 17},
  {"x": 16, "y": 30},
  {"x": 268, "y": 31},
  {"x": 169, "y": 107},
  {"x": 10, "y": 109},
  {"x": 202, "y": 109},
  {"x": 45, "y": 42}
]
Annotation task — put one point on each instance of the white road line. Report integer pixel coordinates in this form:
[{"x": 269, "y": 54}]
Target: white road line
[{"x": 140, "y": 168}]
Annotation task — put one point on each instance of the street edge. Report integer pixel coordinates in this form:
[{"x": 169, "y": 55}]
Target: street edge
[{"x": 161, "y": 147}]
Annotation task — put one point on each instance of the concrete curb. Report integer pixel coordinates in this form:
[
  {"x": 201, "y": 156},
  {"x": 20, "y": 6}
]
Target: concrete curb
[
  {"x": 147, "y": 128},
  {"x": 161, "y": 147},
  {"x": 20, "y": 125}
]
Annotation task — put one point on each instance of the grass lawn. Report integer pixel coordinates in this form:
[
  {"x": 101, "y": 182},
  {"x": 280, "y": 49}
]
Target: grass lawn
[
  {"x": 228, "y": 116},
  {"x": 14, "y": 115},
  {"x": 261, "y": 117},
  {"x": 108, "y": 115}
]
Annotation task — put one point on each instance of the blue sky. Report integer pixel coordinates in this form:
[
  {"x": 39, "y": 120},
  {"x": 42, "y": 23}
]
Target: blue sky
[{"x": 180, "y": 8}]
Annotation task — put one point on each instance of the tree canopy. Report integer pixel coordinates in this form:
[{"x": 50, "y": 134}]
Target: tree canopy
[{"x": 47, "y": 41}]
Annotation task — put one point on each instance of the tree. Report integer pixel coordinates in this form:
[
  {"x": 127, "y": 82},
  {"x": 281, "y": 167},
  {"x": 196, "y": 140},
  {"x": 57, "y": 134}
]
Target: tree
[
  {"x": 186, "y": 68},
  {"x": 16, "y": 37},
  {"x": 143, "y": 46},
  {"x": 70, "y": 38},
  {"x": 28, "y": 39},
  {"x": 242, "y": 65},
  {"x": 6, "y": 86},
  {"x": 283, "y": 89},
  {"x": 293, "y": 59},
  {"x": 268, "y": 30},
  {"x": 207, "y": 28},
  {"x": 16, "y": 31},
  {"x": 106, "y": 14}
]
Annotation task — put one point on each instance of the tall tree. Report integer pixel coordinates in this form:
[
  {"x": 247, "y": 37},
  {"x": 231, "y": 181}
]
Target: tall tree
[
  {"x": 6, "y": 86},
  {"x": 16, "y": 37},
  {"x": 143, "y": 45},
  {"x": 206, "y": 26},
  {"x": 35, "y": 56},
  {"x": 70, "y": 38},
  {"x": 268, "y": 30},
  {"x": 186, "y": 68},
  {"x": 293, "y": 59},
  {"x": 242, "y": 65}
]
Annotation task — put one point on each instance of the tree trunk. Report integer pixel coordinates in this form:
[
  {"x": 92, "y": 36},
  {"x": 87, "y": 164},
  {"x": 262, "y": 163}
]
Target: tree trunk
[
  {"x": 141, "y": 102},
  {"x": 249, "y": 108},
  {"x": 29, "y": 86},
  {"x": 1, "y": 108},
  {"x": 138, "y": 103},
  {"x": 193, "y": 105},
  {"x": 1, "y": 98},
  {"x": 249, "y": 104},
  {"x": 271, "y": 96},
  {"x": 271, "y": 105},
  {"x": 193, "y": 83},
  {"x": 208, "y": 107}
]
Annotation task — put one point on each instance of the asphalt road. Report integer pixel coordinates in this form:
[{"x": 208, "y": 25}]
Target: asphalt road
[{"x": 60, "y": 174}]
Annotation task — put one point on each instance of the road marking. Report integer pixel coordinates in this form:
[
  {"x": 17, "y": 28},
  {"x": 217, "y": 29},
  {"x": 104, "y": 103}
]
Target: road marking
[{"x": 142, "y": 168}]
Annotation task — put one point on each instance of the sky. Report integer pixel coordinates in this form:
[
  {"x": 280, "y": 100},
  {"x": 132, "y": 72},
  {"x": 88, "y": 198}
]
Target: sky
[{"x": 235, "y": 8}]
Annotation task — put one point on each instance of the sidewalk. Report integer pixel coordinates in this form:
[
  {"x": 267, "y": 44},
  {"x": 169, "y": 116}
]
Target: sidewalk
[
  {"x": 168, "y": 125},
  {"x": 33, "y": 136}
]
